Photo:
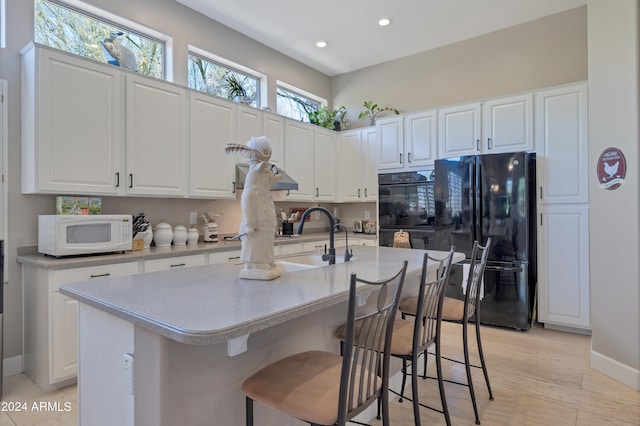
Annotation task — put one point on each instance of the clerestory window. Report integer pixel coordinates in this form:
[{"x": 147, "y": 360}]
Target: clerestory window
[{"x": 296, "y": 103}]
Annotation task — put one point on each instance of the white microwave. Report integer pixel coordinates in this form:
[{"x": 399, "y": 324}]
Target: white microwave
[{"x": 72, "y": 235}]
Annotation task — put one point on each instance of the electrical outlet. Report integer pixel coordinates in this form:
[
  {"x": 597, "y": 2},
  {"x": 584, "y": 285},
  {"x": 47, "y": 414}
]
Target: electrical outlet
[
  {"x": 193, "y": 218},
  {"x": 367, "y": 214}
]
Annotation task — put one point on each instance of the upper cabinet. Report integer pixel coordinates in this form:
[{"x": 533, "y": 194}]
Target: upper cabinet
[
  {"x": 72, "y": 125},
  {"x": 212, "y": 124},
  {"x": 562, "y": 145},
  {"x": 357, "y": 165},
  {"x": 273, "y": 128},
  {"x": 324, "y": 164},
  {"x": 156, "y": 129},
  {"x": 494, "y": 126},
  {"x": 407, "y": 142}
]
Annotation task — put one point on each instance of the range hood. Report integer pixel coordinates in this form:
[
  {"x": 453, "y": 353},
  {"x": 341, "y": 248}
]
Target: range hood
[{"x": 284, "y": 184}]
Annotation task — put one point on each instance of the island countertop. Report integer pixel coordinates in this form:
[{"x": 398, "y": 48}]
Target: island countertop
[{"x": 209, "y": 304}]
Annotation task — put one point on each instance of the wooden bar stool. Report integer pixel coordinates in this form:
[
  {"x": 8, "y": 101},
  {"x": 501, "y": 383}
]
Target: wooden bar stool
[
  {"x": 461, "y": 312},
  {"x": 322, "y": 388}
]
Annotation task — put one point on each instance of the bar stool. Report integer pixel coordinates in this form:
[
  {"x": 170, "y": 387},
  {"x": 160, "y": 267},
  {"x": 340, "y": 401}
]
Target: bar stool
[
  {"x": 461, "y": 312},
  {"x": 322, "y": 388}
]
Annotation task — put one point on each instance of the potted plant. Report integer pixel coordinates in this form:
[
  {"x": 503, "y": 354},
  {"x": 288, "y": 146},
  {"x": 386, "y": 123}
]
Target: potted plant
[
  {"x": 235, "y": 88},
  {"x": 329, "y": 119},
  {"x": 372, "y": 110}
]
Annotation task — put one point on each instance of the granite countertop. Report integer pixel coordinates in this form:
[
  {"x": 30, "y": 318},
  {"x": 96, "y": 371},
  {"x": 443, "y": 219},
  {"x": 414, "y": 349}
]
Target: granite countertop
[
  {"x": 209, "y": 304},
  {"x": 30, "y": 256}
]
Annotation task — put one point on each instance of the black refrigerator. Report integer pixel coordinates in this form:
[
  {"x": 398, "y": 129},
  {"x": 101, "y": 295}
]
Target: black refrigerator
[{"x": 493, "y": 195}]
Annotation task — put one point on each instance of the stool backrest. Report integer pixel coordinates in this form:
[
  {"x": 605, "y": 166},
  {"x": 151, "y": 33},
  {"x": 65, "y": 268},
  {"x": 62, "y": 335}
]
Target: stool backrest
[
  {"x": 431, "y": 293},
  {"x": 365, "y": 363},
  {"x": 474, "y": 280}
]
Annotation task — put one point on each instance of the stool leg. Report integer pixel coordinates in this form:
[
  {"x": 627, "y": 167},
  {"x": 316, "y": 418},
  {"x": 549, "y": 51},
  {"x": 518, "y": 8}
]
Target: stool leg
[
  {"x": 467, "y": 364},
  {"x": 414, "y": 389},
  {"x": 484, "y": 366},
  {"x": 404, "y": 378},
  {"x": 249, "y": 411},
  {"x": 443, "y": 399}
]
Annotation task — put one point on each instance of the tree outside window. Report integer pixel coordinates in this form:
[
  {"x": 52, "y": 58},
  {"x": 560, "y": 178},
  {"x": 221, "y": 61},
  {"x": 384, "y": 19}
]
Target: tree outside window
[
  {"x": 294, "y": 105},
  {"x": 80, "y": 33}
]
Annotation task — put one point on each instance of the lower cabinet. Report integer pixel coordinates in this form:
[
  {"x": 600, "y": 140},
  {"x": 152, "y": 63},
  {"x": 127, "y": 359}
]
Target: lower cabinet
[
  {"x": 563, "y": 265},
  {"x": 224, "y": 257},
  {"x": 50, "y": 321},
  {"x": 168, "y": 263}
]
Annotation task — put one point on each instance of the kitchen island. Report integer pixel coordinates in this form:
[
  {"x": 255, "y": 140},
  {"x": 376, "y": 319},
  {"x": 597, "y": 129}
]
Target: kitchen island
[{"x": 173, "y": 347}]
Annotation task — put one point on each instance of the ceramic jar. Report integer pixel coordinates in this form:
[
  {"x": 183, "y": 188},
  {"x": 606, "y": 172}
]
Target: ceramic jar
[
  {"x": 163, "y": 235},
  {"x": 193, "y": 236},
  {"x": 179, "y": 235}
]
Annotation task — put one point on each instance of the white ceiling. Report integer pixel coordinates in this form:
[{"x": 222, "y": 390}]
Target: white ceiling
[{"x": 349, "y": 27}]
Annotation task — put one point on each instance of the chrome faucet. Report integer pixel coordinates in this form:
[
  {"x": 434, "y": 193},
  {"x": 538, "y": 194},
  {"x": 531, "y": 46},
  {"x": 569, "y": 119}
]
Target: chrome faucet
[
  {"x": 331, "y": 256},
  {"x": 347, "y": 254}
]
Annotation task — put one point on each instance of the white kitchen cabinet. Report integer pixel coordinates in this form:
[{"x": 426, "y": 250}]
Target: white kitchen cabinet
[
  {"x": 299, "y": 159},
  {"x": 563, "y": 265},
  {"x": 285, "y": 249},
  {"x": 217, "y": 257},
  {"x": 507, "y": 124},
  {"x": 50, "y": 321},
  {"x": 156, "y": 137},
  {"x": 249, "y": 122},
  {"x": 212, "y": 124},
  {"x": 168, "y": 263},
  {"x": 459, "y": 130},
  {"x": 273, "y": 128},
  {"x": 562, "y": 145},
  {"x": 72, "y": 124},
  {"x": 324, "y": 164},
  {"x": 420, "y": 139},
  {"x": 357, "y": 165},
  {"x": 491, "y": 127},
  {"x": 390, "y": 133}
]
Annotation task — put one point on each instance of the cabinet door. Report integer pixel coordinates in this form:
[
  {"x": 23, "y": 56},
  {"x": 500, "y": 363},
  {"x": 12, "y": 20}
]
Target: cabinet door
[
  {"x": 420, "y": 139},
  {"x": 369, "y": 144},
  {"x": 459, "y": 130},
  {"x": 211, "y": 126},
  {"x": 562, "y": 145},
  {"x": 73, "y": 139},
  {"x": 508, "y": 125},
  {"x": 325, "y": 164},
  {"x": 249, "y": 124},
  {"x": 219, "y": 257},
  {"x": 563, "y": 265},
  {"x": 156, "y": 137},
  {"x": 64, "y": 354},
  {"x": 173, "y": 263},
  {"x": 350, "y": 163},
  {"x": 273, "y": 128},
  {"x": 390, "y": 143},
  {"x": 299, "y": 159}
]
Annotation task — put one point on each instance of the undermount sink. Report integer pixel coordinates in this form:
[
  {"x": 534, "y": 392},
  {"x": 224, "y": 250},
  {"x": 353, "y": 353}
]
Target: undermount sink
[{"x": 305, "y": 261}]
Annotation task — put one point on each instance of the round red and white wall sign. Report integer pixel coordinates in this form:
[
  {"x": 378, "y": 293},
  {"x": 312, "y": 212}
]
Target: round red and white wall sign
[{"x": 612, "y": 168}]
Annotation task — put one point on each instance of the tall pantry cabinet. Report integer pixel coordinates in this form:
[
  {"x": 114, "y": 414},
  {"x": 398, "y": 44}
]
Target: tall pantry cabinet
[{"x": 563, "y": 207}]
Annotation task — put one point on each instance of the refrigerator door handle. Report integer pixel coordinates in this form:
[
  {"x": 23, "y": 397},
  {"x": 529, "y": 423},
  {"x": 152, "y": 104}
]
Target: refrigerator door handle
[{"x": 503, "y": 268}]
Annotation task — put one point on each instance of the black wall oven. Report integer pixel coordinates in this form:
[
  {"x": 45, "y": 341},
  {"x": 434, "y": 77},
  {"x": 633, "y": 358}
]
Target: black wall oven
[{"x": 406, "y": 202}]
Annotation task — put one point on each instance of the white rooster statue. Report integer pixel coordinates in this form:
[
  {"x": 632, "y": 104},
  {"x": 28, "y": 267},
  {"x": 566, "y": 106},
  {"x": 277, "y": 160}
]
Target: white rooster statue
[{"x": 258, "y": 227}]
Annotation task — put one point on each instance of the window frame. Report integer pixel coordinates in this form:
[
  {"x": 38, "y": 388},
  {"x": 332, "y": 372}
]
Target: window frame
[
  {"x": 302, "y": 93},
  {"x": 124, "y": 24},
  {"x": 261, "y": 87}
]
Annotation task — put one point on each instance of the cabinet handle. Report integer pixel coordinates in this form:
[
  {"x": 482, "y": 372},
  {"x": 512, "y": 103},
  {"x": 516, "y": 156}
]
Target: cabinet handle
[
  {"x": 489, "y": 143},
  {"x": 358, "y": 192},
  {"x": 365, "y": 193},
  {"x": 288, "y": 192},
  {"x": 408, "y": 157},
  {"x": 177, "y": 265},
  {"x": 99, "y": 275},
  {"x": 400, "y": 158},
  {"x": 317, "y": 192},
  {"x": 130, "y": 180},
  {"x": 234, "y": 257},
  {"x": 477, "y": 144},
  {"x": 541, "y": 192},
  {"x": 117, "y": 179},
  {"x": 233, "y": 191},
  {"x": 540, "y": 219}
]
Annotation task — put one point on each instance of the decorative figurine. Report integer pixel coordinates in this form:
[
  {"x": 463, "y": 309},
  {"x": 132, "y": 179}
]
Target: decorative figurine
[{"x": 258, "y": 227}]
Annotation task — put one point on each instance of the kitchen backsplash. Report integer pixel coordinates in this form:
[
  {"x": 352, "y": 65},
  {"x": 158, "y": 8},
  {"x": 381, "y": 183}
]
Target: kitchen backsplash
[{"x": 176, "y": 211}]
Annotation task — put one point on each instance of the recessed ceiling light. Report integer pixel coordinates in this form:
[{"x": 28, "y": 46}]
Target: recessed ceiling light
[
  {"x": 383, "y": 22},
  {"x": 321, "y": 44}
]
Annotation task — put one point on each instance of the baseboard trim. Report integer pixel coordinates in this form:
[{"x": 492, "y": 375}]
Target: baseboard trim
[
  {"x": 616, "y": 370},
  {"x": 12, "y": 366},
  {"x": 567, "y": 329}
]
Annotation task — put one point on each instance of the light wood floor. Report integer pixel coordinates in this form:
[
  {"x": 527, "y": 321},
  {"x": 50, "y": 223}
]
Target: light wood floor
[{"x": 538, "y": 377}]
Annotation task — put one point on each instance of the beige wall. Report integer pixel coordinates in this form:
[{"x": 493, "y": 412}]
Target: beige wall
[
  {"x": 542, "y": 53},
  {"x": 615, "y": 215}
]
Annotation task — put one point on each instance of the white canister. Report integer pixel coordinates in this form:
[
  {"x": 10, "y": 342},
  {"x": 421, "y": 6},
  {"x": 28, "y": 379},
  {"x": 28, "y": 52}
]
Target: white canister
[
  {"x": 192, "y": 236},
  {"x": 163, "y": 235},
  {"x": 179, "y": 235}
]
